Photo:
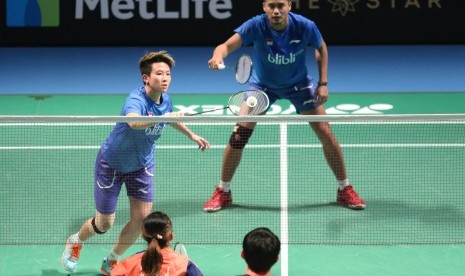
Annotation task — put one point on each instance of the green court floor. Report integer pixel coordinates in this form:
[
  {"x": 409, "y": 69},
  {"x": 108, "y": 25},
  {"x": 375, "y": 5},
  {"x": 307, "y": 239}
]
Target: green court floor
[
  {"x": 403, "y": 231},
  {"x": 339, "y": 103}
]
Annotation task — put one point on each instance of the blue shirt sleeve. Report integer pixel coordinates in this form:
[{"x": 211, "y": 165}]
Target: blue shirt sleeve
[
  {"x": 314, "y": 39},
  {"x": 134, "y": 104},
  {"x": 247, "y": 31}
]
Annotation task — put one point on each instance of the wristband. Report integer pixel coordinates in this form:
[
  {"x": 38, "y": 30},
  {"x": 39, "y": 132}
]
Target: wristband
[{"x": 323, "y": 83}]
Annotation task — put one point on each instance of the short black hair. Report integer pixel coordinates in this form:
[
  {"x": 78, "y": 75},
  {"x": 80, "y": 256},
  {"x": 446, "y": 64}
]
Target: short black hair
[
  {"x": 146, "y": 61},
  {"x": 261, "y": 249}
]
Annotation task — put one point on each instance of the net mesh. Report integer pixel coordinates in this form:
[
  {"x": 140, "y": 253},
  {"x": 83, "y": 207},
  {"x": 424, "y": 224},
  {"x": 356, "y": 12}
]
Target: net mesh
[{"x": 409, "y": 170}]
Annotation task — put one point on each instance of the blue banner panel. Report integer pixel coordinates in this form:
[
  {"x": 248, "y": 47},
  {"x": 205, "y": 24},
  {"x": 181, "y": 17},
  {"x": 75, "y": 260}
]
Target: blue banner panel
[{"x": 115, "y": 70}]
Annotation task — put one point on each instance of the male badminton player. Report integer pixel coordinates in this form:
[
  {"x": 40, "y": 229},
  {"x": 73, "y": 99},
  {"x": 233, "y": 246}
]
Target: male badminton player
[
  {"x": 127, "y": 156},
  {"x": 280, "y": 39}
]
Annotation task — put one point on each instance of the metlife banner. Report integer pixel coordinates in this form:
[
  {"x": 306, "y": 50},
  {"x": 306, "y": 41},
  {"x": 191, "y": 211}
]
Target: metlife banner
[{"x": 209, "y": 22}]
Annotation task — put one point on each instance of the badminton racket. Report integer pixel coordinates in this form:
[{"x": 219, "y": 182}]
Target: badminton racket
[
  {"x": 243, "y": 68},
  {"x": 248, "y": 102},
  {"x": 180, "y": 248}
]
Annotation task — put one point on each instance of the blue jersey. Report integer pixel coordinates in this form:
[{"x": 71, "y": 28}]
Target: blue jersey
[
  {"x": 128, "y": 150},
  {"x": 279, "y": 57}
]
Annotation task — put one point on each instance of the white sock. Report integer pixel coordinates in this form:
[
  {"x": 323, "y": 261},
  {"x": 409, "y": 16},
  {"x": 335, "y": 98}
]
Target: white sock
[
  {"x": 112, "y": 256},
  {"x": 75, "y": 239},
  {"x": 224, "y": 185},
  {"x": 343, "y": 183}
]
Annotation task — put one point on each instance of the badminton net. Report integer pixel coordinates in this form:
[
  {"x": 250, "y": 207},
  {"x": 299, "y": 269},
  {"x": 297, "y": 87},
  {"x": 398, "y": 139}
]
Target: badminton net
[{"x": 408, "y": 168}]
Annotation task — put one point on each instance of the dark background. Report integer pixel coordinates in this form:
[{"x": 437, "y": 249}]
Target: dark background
[
  {"x": 392, "y": 22},
  {"x": 399, "y": 46}
]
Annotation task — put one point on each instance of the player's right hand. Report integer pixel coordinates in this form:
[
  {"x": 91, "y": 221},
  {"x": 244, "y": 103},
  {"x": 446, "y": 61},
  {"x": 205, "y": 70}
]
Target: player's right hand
[{"x": 213, "y": 63}]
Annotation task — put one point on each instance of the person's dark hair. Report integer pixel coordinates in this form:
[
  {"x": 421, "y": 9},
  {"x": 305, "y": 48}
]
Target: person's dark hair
[
  {"x": 145, "y": 62},
  {"x": 261, "y": 249},
  {"x": 156, "y": 231}
]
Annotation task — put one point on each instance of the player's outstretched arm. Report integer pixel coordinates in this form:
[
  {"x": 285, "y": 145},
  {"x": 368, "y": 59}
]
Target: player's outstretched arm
[
  {"x": 139, "y": 125},
  {"x": 202, "y": 142},
  {"x": 223, "y": 50},
  {"x": 181, "y": 127}
]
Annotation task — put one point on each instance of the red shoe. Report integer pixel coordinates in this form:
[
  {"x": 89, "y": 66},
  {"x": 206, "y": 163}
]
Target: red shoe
[
  {"x": 218, "y": 201},
  {"x": 350, "y": 199}
]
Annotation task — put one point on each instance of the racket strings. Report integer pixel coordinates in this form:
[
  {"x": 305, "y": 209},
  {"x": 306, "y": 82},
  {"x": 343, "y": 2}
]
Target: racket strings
[
  {"x": 243, "y": 69},
  {"x": 238, "y": 103},
  {"x": 262, "y": 104}
]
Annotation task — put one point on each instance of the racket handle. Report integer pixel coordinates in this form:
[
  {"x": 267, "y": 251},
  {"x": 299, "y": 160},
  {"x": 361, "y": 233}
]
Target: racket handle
[{"x": 221, "y": 66}]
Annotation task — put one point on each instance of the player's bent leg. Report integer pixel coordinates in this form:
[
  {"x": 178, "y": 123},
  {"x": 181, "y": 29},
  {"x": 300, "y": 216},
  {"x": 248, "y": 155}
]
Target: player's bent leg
[
  {"x": 139, "y": 209},
  {"x": 233, "y": 152},
  {"x": 331, "y": 149},
  {"x": 101, "y": 223},
  {"x": 231, "y": 160},
  {"x": 241, "y": 135},
  {"x": 346, "y": 197},
  {"x": 96, "y": 225}
]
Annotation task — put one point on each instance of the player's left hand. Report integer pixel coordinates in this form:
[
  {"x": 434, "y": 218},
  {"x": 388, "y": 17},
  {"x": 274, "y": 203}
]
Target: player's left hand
[
  {"x": 202, "y": 142},
  {"x": 321, "y": 94}
]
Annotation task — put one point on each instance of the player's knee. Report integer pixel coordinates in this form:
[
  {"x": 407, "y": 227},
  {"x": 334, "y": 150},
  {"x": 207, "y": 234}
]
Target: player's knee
[
  {"x": 240, "y": 137},
  {"x": 101, "y": 229}
]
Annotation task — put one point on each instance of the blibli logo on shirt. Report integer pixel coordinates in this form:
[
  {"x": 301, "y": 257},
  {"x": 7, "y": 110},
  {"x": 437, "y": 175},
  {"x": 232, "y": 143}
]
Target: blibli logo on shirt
[
  {"x": 281, "y": 59},
  {"x": 33, "y": 13},
  {"x": 155, "y": 130}
]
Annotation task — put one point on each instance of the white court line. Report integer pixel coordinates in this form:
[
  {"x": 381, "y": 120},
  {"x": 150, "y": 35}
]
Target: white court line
[
  {"x": 284, "y": 215},
  {"x": 384, "y": 145},
  {"x": 284, "y": 257}
]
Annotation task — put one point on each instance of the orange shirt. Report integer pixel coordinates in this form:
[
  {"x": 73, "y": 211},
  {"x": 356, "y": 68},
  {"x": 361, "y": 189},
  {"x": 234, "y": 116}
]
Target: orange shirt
[{"x": 174, "y": 264}]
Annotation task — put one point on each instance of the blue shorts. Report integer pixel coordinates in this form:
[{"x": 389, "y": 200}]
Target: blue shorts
[
  {"x": 300, "y": 95},
  {"x": 108, "y": 183}
]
